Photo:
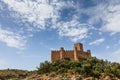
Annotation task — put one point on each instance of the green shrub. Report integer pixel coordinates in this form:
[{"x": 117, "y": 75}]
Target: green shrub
[{"x": 90, "y": 67}]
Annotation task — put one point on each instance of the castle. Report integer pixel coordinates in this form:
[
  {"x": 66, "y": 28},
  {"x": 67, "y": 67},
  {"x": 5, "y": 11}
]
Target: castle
[{"x": 76, "y": 54}]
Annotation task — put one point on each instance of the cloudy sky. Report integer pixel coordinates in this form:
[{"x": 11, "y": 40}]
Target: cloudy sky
[{"x": 30, "y": 29}]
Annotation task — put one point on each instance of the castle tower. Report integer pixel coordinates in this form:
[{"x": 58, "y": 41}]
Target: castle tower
[
  {"x": 79, "y": 46},
  {"x": 75, "y": 54},
  {"x": 89, "y": 53},
  {"x": 62, "y": 51}
]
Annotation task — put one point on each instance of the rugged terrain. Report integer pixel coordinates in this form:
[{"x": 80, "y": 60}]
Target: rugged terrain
[{"x": 90, "y": 69}]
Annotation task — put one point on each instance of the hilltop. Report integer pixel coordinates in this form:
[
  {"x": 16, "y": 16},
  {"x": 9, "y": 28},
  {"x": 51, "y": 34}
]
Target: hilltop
[
  {"x": 92, "y": 68},
  {"x": 89, "y": 69}
]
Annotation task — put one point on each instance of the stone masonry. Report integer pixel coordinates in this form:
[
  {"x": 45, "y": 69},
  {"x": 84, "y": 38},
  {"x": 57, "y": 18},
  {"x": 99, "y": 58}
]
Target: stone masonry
[{"x": 76, "y": 54}]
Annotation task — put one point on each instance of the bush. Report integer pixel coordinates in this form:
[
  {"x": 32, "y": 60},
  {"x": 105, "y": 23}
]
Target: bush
[{"x": 90, "y": 67}]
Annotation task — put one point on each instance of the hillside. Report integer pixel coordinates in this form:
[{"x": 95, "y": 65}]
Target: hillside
[
  {"x": 90, "y": 69},
  {"x": 13, "y": 74}
]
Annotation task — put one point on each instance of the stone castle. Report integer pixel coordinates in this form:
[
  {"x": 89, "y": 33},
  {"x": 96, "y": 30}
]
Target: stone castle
[{"x": 76, "y": 54}]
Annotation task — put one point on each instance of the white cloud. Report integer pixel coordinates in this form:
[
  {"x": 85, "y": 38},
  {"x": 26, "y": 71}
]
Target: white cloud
[
  {"x": 107, "y": 14},
  {"x": 38, "y": 13},
  {"x": 12, "y": 39},
  {"x": 112, "y": 19},
  {"x": 74, "y": 30},
  {"x": 98, "y": 41},
  {"x": 34, "y": 12}
]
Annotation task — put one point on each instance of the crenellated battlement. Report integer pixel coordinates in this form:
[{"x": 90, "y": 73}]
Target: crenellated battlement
[
  {"x": 68, "y": 50},
  {"x": 55, "y": 51},
  {"x": 74, "y": 55},
  {"x": 59, "y": 50}
]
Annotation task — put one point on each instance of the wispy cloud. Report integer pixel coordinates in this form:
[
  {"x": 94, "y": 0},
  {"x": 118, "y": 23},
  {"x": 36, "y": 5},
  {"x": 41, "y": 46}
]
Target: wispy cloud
[
  {"x": 74, "y": 30},
  {"x": 41, "y": 13},
  {"x": 98, "y": 41},
  {"x": 107, "y": 14},
  {"x": 112, "y": 19},
  {"x": 34, "y": 12},
  {"x": 46, "y": 13},
  {"x": 12, "y": 39}
]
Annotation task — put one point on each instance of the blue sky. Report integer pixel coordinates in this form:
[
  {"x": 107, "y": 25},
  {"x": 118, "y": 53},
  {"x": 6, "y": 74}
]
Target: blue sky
[{"x": 30, "y": 29}]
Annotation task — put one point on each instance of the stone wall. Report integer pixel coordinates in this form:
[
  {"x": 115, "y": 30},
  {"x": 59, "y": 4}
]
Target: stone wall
[{"x": 74, "y": 55}]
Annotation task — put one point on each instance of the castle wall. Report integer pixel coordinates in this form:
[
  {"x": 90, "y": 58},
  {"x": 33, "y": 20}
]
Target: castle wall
[
  {"x": 55, "y": 55},
  {"x": 73, "y": 55},
  {"x": 82, "y": 55},
  {"x": 69, "y": 54}
]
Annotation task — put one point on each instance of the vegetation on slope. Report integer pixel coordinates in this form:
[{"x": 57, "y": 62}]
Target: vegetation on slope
[
  {"x": 13, "y": 74},
  {"x": 91, "y": 67}
]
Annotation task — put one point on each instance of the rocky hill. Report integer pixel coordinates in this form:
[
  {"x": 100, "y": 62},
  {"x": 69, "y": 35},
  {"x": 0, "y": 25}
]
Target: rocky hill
[{"x": 90, "y": 69}]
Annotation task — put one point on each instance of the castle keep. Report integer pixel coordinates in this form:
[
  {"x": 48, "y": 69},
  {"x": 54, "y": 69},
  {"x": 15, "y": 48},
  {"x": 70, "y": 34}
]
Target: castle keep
[{"x": 74, "y": 55}]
